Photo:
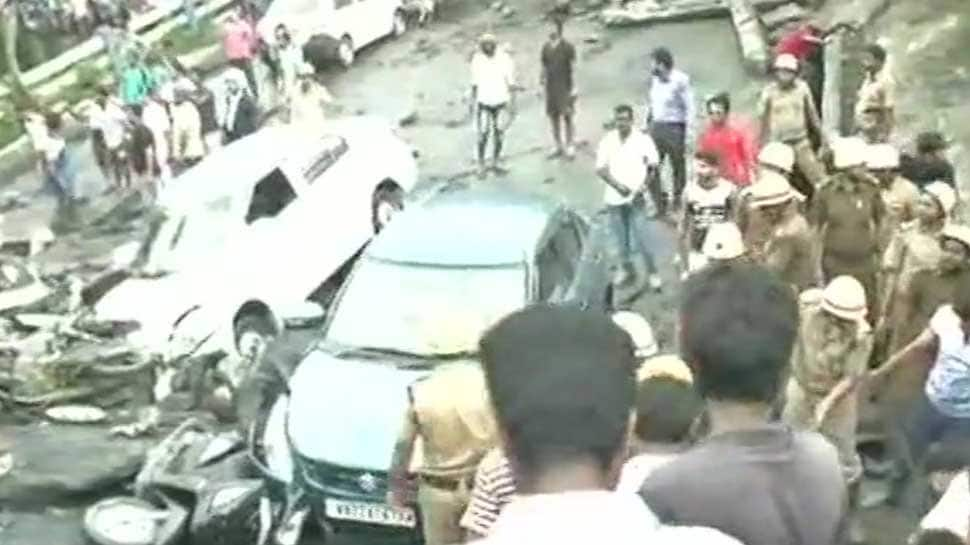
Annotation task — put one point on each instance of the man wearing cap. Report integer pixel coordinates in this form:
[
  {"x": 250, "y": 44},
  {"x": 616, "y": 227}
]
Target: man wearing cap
[
  {"x": 789, "y": 247},
  {"x": 918, "y": 297},
  {"x": 788, "y": 115},
  {"x": 847, "y": 214},
  {"x": 899, "y": 195},
  {"x": 188, "y": 147},
  {"x": 930, "y": 163},
  {"x": 450, "y": 411},
  {"x": 493, "y": 98},
  {"x": 774, "y": 160},
  {"x": 709, "y": 200},
  {"x": 942, "y": 408},
  {"x": 828, "y": 363}
]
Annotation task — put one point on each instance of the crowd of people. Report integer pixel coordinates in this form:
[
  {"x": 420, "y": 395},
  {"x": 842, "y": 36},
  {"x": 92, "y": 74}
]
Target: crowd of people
[
  {"x": 821, "y": 273},
  {"x": 160, "y": 118}
]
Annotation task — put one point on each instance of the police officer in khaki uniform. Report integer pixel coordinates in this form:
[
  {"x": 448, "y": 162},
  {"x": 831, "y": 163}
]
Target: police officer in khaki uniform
[
  {"x": 451, "y": 414},
  {"x": 774, "y": 159},
  {"x": 847, "y": 214},
  {"x": 899, "y": 195},
  {"x": 828, "y": 363},
  {"x": 919, "y": 298},
  {"x": 914, "y": 247},
  {"x": 789, "y": 249},
  {"x": 788, "y": 115}
]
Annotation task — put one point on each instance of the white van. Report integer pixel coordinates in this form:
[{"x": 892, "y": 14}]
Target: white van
[
  {"x": 334, "y": 29},
  {"x": 251, "y": 232}
]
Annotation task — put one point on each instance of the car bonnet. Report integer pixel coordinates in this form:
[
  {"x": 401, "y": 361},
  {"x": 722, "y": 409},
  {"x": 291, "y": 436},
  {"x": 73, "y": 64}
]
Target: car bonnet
[{"x": 348, "y": 412}]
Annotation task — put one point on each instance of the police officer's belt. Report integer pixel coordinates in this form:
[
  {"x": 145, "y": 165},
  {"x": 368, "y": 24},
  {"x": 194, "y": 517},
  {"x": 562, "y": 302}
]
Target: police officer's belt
[{"x": 445, "y": 483}]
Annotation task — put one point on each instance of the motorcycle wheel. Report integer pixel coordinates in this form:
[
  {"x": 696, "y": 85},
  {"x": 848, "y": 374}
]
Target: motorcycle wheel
[{"x": 127, "y": 521}]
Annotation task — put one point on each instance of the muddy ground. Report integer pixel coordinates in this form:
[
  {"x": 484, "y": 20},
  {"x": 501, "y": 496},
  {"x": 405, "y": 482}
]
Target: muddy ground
[{"x": 426, "y": 73}]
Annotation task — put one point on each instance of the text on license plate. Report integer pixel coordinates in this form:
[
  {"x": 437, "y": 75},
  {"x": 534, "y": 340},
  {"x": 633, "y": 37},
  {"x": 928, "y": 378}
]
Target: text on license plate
[{"x": 374, "y": 513}]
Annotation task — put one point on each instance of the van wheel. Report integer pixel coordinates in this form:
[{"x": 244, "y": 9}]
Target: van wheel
[
  {"x": 345, "y": 52},
  {"x": 388, "y": 200},
  {"x": 400, "y": 25}
]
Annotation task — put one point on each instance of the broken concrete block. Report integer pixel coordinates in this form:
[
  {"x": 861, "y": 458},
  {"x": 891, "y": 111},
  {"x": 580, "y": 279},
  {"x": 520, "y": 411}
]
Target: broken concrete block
[
  {"x": 646, "y": 12},
  {"x": 507, "y": 11},
  {"x": 408, "y": 119},
  {"x": 762, "y": 6},
  {"x": 592, "y": 39},
  {"x": 751, "y": 36},
  {"x": 782, "y": 15},
  {"x": 497, "y": 6}
]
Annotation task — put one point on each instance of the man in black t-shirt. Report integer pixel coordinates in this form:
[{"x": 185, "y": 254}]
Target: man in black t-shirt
[{"x": 558, "y": 58}]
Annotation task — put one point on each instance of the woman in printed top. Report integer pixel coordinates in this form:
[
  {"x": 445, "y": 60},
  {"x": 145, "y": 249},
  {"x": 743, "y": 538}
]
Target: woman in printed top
[
  {"x": 708, "y": 200},
  {"x": 730, "y": 138}
]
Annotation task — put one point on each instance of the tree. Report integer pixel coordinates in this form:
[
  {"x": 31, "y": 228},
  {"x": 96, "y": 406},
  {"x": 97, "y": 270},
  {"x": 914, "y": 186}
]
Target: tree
[{"x": 11, "y": 26}]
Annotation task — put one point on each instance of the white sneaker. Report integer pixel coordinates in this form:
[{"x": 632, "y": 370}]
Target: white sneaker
[{"x": 655, "y": 282}]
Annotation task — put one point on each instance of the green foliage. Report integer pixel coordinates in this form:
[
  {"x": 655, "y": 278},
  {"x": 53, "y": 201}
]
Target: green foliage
[{"x": 186, "y": 39}]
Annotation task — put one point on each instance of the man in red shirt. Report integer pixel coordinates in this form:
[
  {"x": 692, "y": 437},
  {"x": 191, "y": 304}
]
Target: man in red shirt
[
  {"x": 805, "y": 44},
  {"x": 239, "y": 45},
  {"x": 729, "y": 140}
]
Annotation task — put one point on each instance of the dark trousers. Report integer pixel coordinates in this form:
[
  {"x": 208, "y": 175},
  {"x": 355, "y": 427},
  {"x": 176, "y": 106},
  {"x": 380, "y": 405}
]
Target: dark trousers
[
  {"x": 924, "y": 427},
  {"x": 246, "y": 65},
  {"x": 670, "y": 139}
]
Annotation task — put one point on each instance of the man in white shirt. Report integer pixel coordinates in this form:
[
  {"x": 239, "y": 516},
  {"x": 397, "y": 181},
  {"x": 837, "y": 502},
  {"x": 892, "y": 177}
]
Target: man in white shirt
[
  {"x": 493, "y": 98},
  {"x": 187, "y": 144},
  {"x": 567, "y": 450},
  {"x": 155, "y": 117},
  {"x": 626, "y": 160}
]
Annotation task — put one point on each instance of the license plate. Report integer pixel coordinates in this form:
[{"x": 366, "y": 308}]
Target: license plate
[{"x": 373, "y": 513}]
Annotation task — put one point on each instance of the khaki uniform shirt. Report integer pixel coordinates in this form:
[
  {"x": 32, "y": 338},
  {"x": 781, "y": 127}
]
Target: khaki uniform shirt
[
  {"x": 820, "y": 362},
  {"x": 911, "y": 250},
  {"x": 454, "y": 420},
  {"x": 900, "y": 199},
  {"x": 926, "y": 292},
  {"x": 877, "y": 91},
  {"x": 848, "y": 214},
  {"x": 789, "y": 252},
  {"x": 787, "y": 111}
]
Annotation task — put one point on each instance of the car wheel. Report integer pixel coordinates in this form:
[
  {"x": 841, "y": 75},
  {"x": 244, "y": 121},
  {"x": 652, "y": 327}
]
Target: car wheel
[
  {"x": 400, "y": 25},
  {"x": 387, "y": 201},
  {"x": 253, "y": 334},
  {"x": 345, "y": 52}
]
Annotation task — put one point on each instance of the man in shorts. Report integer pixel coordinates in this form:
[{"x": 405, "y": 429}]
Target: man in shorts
[
  {"x": 558, "y": 59},
  {"x": 493, "y": 98}
]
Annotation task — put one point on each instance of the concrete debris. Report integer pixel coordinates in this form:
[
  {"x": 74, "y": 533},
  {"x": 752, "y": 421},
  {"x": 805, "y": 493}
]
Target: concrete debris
[
  {"x": 497, "y": 6},
  {"x": 592, "y": 39},
  {"x": 146, "y": 424},
  {"x": 408, "y": 119},
  {"x": 6, "y": 463},
  {"x": 782, "y": 15},
  {"x": 751, "y": 37},
  {"x": 76, "y": 414},
  {"x": 45, "y": 472},
  {"x": 507, "y": 11},
  {"x": 649, "y": 11},
  {"x": 767, "y": 5}
]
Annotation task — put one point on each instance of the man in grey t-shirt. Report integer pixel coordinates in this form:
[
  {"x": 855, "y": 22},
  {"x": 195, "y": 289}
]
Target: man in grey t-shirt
[{"x": 757, "y": 481}]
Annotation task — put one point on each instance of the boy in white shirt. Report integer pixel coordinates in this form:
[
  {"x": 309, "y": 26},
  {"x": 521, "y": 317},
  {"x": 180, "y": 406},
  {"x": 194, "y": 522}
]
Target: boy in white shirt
[{"x": 708, "y": 200}]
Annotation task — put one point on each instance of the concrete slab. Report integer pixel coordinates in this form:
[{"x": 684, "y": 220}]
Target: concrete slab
[
  {"x": 751, "y": 36},
  {"x": 647, "y": 12},
  {"x": 783, "y": 15}
]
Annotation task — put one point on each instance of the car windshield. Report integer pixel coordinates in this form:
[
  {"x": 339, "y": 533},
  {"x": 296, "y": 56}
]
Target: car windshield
[
  {"x": 177, "y": 238},
  {"x": 424, "y": 310}
]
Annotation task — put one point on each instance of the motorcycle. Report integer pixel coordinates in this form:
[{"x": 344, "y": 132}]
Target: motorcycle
[{"x": 193, "y": 489}]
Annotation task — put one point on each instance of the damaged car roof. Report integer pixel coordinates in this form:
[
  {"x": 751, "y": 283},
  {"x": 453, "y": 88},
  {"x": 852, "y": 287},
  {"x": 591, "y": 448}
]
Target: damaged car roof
[{"x": 478, "y": 227}]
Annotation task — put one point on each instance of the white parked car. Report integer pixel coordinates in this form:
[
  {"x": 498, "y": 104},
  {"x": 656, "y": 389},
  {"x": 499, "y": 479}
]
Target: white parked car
[
  {"x": 248, "y": 234},
  {"x": 334, "y": 29}
]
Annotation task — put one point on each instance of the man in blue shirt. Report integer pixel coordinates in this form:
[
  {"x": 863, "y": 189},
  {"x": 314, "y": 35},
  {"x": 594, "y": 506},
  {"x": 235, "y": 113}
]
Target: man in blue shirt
[{"x": 670, "y": 110}]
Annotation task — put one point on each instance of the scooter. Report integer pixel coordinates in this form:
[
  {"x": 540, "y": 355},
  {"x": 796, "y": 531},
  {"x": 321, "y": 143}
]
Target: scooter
[{"x": 193, "y": 489}]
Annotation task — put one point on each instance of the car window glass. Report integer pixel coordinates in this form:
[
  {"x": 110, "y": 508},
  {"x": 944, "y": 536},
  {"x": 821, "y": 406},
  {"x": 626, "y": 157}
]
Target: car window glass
[
  {"x": 332, "y": 148},
  {"x": 270, "y": 196}
]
